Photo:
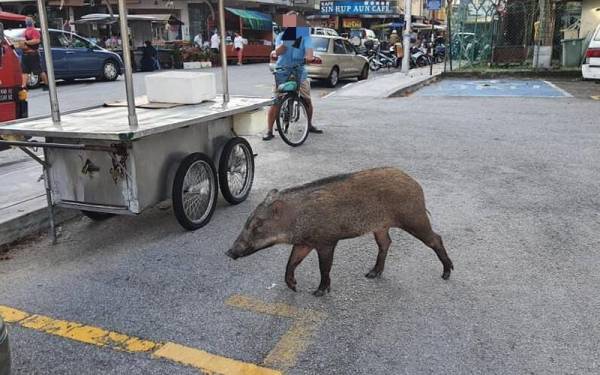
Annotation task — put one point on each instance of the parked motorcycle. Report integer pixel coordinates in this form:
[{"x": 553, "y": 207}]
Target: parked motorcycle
[
  {"x": 383, "y": 56},
  {"x": 418, "y": 58}
]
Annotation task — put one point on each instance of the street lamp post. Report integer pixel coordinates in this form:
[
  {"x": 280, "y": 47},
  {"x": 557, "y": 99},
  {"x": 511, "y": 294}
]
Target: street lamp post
[{"x": 407, "y": 32}]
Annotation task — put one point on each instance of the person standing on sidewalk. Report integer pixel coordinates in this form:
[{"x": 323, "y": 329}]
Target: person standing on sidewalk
[
  {"x": 30, "y": 62},
  {"x": 215, "y": 41},
  {"x": 238, "y": 44},
  {"x": 291, "y": 53}
]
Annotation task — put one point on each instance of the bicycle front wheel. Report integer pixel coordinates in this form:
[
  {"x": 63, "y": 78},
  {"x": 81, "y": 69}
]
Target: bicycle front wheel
[{"x": 292, "y": 120}]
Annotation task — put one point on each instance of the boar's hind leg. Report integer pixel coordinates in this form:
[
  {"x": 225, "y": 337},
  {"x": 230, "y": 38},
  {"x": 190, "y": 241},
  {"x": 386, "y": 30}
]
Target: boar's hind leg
[
  {"x": 299, "y": 252},
  {"x": 383, "y": 240},
  {"x": 421, "y": 229},
  {"x": 325, "y": 262}
]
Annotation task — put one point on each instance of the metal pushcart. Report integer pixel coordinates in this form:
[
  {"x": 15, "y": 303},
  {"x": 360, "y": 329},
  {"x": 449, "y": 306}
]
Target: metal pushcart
[{"x": 122, "y": 160}]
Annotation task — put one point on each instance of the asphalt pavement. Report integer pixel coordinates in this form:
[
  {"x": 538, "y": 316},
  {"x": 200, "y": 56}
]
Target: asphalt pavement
[{"x": 511, "y": 184}]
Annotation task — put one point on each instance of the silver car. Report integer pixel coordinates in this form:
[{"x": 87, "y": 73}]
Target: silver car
[
  {"x": 335, "y": 59},
  {"x": 4, "y": 352}
]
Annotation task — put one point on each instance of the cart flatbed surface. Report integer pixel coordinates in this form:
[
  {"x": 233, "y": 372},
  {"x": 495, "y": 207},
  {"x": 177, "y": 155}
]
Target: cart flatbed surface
[{"x": 111, "y": 123}]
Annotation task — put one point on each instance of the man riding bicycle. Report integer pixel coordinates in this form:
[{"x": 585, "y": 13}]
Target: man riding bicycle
[{"x": 293, "y": 49}]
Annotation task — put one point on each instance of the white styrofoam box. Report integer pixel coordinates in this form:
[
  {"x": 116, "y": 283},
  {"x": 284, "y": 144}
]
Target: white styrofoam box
[
  {"x": 250, "y": 123},
  {"x": 181, "y": 87},
  {"x": 192, "y": 65}
]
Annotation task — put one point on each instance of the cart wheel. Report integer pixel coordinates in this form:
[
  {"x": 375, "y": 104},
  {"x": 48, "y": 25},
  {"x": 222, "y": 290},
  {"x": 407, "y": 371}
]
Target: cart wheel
[
  {"x": 97, "y": 216},
  {"x": 236, "y": 170},
  {"x": 195, "y": 191}
]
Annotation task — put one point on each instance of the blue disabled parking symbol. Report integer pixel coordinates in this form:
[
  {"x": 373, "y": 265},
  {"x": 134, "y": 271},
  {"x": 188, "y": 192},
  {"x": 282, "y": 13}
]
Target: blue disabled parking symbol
[{"x": 493, "y": 87}]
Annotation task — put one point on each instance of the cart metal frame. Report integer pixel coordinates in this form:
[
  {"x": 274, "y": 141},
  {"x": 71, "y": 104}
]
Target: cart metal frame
[{"x": 121, "y": 160}]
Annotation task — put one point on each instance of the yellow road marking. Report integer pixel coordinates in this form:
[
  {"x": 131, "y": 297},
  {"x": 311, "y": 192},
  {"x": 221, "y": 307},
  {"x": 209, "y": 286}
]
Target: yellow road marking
[
  {"x": 209, "y": 362},
  {"x": 199, "y": 359},
  {"x": 285, "y": 354}
]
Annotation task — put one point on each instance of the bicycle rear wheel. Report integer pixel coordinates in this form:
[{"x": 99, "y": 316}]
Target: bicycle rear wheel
[{"x": 292, "y": 120}]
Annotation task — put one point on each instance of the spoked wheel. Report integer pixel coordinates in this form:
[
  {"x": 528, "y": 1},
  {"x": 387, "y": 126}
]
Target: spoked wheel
[
  {"x": 195, "y": 191},
  {"x": 292, "y": 120},
  {"x": 236, "y": 170}
]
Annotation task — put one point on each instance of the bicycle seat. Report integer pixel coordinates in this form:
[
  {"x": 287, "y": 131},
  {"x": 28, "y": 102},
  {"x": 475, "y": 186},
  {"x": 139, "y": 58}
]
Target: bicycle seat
[{"x": 289, "y": 86}]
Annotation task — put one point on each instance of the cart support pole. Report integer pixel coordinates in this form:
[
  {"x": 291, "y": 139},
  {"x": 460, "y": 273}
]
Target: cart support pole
[
  {"x": 133, "y": 122},
  {"x": 49, "y": 198},
  {"x": 223, "y": 52},
  {"x": 49, "y": 64}
]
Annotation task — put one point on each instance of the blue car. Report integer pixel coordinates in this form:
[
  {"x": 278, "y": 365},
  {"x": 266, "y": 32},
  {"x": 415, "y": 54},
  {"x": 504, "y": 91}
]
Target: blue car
[{"x": 74, "y": 57}]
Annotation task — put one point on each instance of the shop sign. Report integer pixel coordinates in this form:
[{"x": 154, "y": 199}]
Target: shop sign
[
  {"x": 434, "y": 4},
  {"x": 358, "y": 7},
  {"x": 351, "y": 23}
]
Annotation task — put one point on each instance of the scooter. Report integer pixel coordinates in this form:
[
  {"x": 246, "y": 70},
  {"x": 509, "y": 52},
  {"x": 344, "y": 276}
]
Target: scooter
[
  {"x": 383, "y": 58},
  {"x": 418, "y": 58}
]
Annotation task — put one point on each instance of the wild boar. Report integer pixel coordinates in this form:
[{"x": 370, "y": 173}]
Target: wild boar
[{"x": 319, "y": 214}]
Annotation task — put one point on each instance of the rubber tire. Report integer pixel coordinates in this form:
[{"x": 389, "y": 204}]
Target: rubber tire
[
  {"x": 224, "y": 161},
  {"x": 97, "y": 216},
  {"x": 373, "y": 66},
  {"x": 280, "y": 131},
  {"x": 37, "y": 81},
  {"x": 330, "y": 83},
  {"x": 421, "y": 61},
  {"x": 178, "y": 187},
  {"x": 103, "y": 75},
  {"x": 364, "y": 74}
]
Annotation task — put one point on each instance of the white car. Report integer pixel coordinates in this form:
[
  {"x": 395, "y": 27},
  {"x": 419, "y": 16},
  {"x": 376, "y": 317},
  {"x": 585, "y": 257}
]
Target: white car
[
  {"x": 590, "y": 69},
  {"x": 323, "y": 31}
]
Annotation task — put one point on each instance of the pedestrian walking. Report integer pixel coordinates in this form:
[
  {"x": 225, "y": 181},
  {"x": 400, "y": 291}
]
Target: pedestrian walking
[
  {"x": 198, "y": 40},
  {"x": 238, "y": 44},
  {"x": 215, "y": 41},
  {"x": 31, "y": 62}
]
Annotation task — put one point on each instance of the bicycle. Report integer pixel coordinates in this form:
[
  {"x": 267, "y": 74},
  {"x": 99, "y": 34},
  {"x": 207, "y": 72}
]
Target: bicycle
[{"x": 292, "y": 116}]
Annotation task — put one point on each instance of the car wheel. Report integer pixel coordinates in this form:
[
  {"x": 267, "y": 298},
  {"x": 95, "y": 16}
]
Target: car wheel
[
  {"x": 33, "y": 81},
  {"x": 110, "y": 72},
  {"x": 334, "y": 77},
  {"x": 364, "y": 74}
]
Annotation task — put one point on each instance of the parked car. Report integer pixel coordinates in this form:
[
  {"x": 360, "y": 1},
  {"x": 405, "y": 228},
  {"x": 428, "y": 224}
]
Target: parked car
[
  {"x": 358, "y": 37},
  {"x": 335, "y": 59},
  {"x": 590, "y": 69},
  {"x": 74, "y": 57},
  {"x": 323, "y": 31},
  {"x": 4, "y": 350}
]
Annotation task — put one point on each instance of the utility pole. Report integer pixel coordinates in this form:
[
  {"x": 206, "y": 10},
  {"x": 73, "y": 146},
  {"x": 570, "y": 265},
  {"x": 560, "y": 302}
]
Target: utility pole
[{"x": 407, "y": 32}]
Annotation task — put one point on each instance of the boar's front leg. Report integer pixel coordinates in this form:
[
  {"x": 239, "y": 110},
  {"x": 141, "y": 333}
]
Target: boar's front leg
[
  {"x": 325, "y": 261},
  {"x": 382, "y": 237},
  {"x": 299, "y": 252}
]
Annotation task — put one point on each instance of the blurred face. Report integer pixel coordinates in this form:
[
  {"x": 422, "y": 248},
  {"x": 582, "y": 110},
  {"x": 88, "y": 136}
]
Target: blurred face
[{"x": 290, "y": 20}]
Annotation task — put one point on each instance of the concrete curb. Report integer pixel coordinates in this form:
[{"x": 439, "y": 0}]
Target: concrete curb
[
  {"x": 31, "y": 223},
  {"x": 414, "y": 86}
]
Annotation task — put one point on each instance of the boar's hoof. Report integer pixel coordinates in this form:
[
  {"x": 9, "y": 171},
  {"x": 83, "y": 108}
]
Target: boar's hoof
[
  {"x": 291, "y": 283},
  {"x": 320, "y": 292},
  {"x": 373, "y": 274},
  {"x": 446, "y": 275}
]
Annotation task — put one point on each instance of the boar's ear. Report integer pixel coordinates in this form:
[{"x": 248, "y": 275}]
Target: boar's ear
[
  {"x": 277, "y": 208},
  {"x": 271, "y": 196}
]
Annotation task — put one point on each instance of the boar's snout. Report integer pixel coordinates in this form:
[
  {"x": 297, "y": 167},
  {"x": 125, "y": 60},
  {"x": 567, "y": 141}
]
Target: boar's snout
[{"x": 231, "y": 254}]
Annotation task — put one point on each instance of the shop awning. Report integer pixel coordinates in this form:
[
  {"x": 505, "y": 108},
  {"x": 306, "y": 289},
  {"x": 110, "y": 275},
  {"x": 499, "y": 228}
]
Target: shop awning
[{"x": 252, "y": 19}]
